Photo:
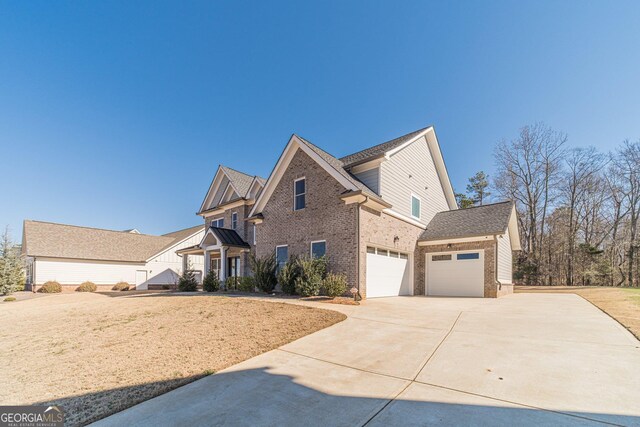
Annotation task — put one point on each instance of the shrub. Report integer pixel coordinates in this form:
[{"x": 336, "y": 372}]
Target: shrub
[
  {"x": 231, "y": 283},
  {"x": 9, "y": 299},
  {"x": 87, "y": 287},
  {"x": 287, "y": 276},
  {"x": 188, "y": 282},
  {"x": 50, "y": 287},
  {"x": 308, "y": 286},
  {"x": 121, "y": 286},
  {"x": 211, "y": 283},
  {"x": 334, "y": 285},
  {"x": 312, "y": 272},
  {"x": 264, "y": 272},
  {"x": 246, "y": 284}
]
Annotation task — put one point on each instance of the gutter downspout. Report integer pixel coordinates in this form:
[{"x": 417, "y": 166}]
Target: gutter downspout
[{"x": 495, "y": 273}]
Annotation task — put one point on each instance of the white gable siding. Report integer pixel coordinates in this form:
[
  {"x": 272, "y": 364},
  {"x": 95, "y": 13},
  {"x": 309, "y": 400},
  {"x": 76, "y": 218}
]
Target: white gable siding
[
  {"x": 412, "y": 170},
  {"x": 221, "y": 189},
  {"x": 74, "y": 272},
  {"x": 161, "y": 267},
  {"x": 370, "y": 178},
  {"x": 504, "y": 259}
]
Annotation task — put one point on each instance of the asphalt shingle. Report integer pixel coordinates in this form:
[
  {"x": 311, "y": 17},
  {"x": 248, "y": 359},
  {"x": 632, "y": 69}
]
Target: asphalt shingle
[
  {"x": 47, "y": 239},
  {"x": 476, "y": 221}
]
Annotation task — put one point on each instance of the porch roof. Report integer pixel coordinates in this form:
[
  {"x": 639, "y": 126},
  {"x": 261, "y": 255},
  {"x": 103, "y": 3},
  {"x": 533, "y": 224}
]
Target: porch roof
[{"x": 228, "y": 237}]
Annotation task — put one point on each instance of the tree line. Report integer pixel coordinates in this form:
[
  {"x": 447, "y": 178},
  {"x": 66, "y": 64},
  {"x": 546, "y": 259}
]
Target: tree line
[{"x": 578, "y": 208}]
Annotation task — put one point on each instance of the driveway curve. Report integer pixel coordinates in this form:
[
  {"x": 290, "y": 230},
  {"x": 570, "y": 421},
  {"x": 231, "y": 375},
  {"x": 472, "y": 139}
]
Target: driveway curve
[{"x": 524, "y": 359}]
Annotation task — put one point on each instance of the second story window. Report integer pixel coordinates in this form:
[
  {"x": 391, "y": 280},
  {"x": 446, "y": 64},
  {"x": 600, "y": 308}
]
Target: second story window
[
  {"x": 415, "y": 206},
  {"x": 234, "y": 220},
  {"x": 219, "y": 223},
  {"x": 299, "y": 194}
]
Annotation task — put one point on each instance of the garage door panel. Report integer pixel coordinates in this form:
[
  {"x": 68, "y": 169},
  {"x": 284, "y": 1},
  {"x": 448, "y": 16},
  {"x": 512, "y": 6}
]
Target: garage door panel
[
  {"x": 455, "y": 274},
  {"x": 387, "y": 276}
]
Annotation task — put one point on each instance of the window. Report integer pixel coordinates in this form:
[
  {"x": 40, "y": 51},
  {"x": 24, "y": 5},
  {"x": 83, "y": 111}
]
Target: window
[
  {"x": 282, "y": 255},
  {"x": 234, "y": 220},
  {"x": 472, "y": 255},
  {"x": 254, "y": 234},
  {"x": 383, "y": 252},
  {"x": 393, "y": 254},
  {"x": 219, "y": 223},
  {"x": 415, "y": 206},
  {"x": 371, "y": 250},
  {"x": 215, "y": 266},
  {"x": 441, "y": 257},
  {"x": 318, "y": 249},
  {"x": 404, "y": 256},
  {"x": 299, "y": 193}
]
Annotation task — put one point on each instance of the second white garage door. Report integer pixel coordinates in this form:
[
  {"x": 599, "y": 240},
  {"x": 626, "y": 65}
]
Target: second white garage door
[
  {"x": 455, "y": 274},
  {"x": 388, "y": 273}
]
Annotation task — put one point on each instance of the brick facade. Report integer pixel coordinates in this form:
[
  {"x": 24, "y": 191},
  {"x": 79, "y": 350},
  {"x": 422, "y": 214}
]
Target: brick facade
[{"x": 325, "y": 217}]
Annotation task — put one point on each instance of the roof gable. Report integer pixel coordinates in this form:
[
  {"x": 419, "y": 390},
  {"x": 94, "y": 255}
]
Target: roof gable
[
  {"x": 485, "y": 220},
  {"x": 329, "y": 163},
  {"x": 389, "y": 148},
  {"x": 224, "y": 179}
]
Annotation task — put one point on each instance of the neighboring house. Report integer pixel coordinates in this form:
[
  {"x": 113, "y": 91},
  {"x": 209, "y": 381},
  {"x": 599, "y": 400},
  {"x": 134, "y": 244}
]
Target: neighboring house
[
  {"x": 71, "y": 255},
  {"x": 385, "y": 216}
]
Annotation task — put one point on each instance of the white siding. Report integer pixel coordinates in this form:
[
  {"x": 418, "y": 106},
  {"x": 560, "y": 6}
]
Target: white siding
[
  {"x": 504, "y": 259},
  {"x": 221, "y": 189},
  {"x": 74, "y": 272},
  {"x": 163, "y": 269},
  {"x": 370, "y": 178},
  {"x": 412, "y": 170}
]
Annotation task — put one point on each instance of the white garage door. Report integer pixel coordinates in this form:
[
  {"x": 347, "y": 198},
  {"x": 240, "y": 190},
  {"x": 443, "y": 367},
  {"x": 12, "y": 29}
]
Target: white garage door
[
  {"x": 455, "y": 274},
  {"x": 388, "y": 273}
]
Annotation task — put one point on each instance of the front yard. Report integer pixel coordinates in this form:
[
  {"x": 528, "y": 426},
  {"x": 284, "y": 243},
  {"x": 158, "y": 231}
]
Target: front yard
[
  {"x": 97, "y": 354},
  {"x": 623, "y": 304}
]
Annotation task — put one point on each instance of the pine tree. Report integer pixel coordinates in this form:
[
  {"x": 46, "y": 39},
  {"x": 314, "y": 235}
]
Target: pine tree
[
  {"x": 11, "y": 266},
  {"x": 187, "y": 281},
  {"x": 477, "y": 187}
]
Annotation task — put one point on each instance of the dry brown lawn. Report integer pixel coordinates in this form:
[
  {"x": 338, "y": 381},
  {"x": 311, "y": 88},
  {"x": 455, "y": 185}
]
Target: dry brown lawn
[
  {"x": 623, "y": 304},
  {"x": 97, "y": 354}
]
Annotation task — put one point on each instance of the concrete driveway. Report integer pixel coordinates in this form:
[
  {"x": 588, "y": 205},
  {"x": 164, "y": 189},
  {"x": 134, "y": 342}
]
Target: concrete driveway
[{"x": 536, "y": 359}]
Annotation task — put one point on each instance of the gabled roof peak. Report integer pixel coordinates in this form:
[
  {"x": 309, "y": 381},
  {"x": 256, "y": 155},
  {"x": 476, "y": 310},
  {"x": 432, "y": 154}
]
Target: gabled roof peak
[{"x": 380, "y": 149}]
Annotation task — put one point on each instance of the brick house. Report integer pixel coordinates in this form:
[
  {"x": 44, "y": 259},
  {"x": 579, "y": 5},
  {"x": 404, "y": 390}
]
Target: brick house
[{"x": 385, "y": 216}]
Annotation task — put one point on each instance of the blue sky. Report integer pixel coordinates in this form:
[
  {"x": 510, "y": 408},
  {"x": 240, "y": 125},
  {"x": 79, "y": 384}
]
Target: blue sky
[{"x": 116, "y": 114}]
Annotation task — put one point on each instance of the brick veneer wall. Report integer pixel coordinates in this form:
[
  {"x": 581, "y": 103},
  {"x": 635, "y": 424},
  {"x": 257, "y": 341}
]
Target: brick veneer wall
[
  {"x": 490, "y": 284},
  {"x": 380, "y": 230},
  {"x": 325, "y": 217}
]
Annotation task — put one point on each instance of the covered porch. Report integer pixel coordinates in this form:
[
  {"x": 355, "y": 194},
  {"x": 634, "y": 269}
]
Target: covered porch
[{"x": 224, "y": 251}]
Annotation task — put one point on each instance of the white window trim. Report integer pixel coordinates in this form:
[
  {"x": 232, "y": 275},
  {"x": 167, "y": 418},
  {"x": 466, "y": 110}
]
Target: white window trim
[
  {"x": 304, "y": 178},
  {"x": 317, "y": 241},
  {"x": 276, "y": 252},
  {"x": 411, "y": 206},
  {"x": 216, "y": 220},
  {"x": 254, "y": 234},
  {"x": 234, "y": 226}
]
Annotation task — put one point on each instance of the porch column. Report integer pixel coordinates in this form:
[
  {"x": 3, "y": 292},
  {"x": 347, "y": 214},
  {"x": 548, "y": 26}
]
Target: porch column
[
  {"x": 185, "y": 262},
  {"x": 223, "y": 262},
  {"x": 207, "y": 262}
]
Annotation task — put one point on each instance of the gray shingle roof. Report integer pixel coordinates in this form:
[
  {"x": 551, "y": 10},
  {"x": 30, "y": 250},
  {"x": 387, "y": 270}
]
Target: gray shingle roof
[
  {"x": 476, "y": 221},
  {"x": 240, "y": 180},
  {"x": 339, "y": 167},
  {"x": 380, "y": 149},
  {"x": 47, "y": 239}
]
